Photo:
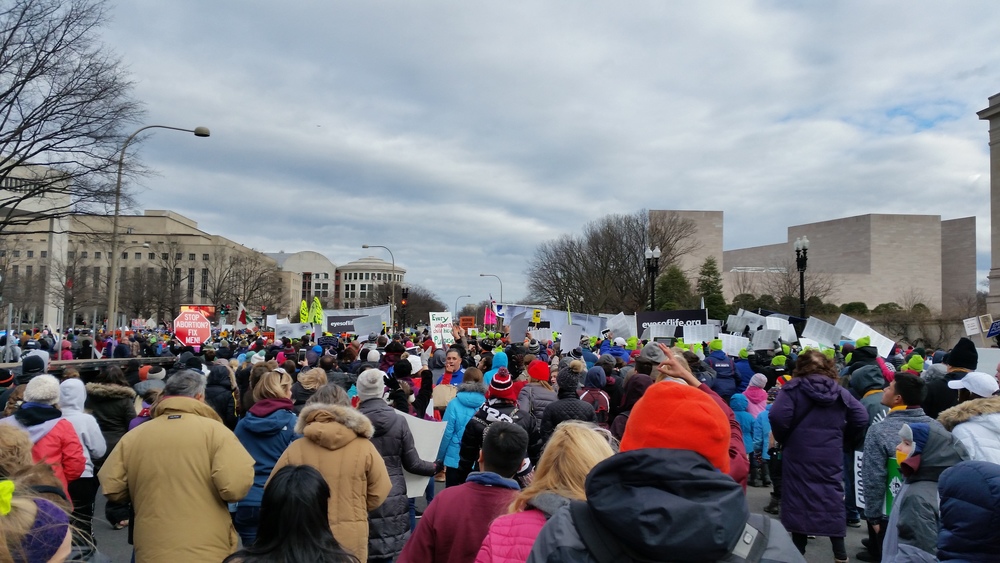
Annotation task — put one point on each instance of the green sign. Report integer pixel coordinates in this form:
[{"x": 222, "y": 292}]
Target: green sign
[{"x": 893, "y": 483}]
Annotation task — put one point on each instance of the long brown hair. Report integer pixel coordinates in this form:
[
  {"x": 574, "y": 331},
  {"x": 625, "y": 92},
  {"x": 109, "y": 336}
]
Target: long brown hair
[{"x": 814, "y": 361}]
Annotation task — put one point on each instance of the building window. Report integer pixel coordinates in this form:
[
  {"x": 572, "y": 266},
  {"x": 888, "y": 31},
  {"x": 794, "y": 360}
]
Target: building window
[
  {"x": 28, "y": 271},
  {"x": 70, "y": 254},
  {"x": 179, "y": 256},
  {"x": 190, "y": 256},
  {"x": 204, "y": 282},
  {"x": 366, "y": 275},
  {"x": 164, "y": 256},
  {"x": 45, "y": 254},
  {"x": 204, "y": 257},
  {"x": 83, "y": 254},
  {"x": 17, "y": 254},
  {"x": 124, "y": 255},
  {"x": 326, "y": 275},
  {"x": 152, "y": 256},
  {"x": 97, "y": 255},
  {"x": 97, "y": 277},
  {"x": 31, "y": 254},
  {"x": 190, "y": 288},
  {"x": 323, "y": 294},
  {"x": 138, "y": 256},
  {"x": 14, "y": 270},
  {"x": 378, "y": 276}
]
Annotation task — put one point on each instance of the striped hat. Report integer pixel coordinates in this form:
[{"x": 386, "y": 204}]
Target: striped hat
[{"x": 502, "y": 386}]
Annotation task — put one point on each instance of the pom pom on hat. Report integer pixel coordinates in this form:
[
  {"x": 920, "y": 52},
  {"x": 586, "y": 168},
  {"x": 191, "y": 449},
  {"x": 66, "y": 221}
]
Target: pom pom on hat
[
  {"x": 42, "y": 389},
  {"x": 682, "y": 418},
  {"x": 533, "y": 346}
]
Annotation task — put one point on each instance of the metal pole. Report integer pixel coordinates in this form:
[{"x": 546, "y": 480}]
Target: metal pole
[{"x": 802, "y": 291}]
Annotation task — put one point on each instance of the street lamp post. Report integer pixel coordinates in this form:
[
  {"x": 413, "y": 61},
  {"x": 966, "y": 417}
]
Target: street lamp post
[
  {"x": 801, "y": 260},
  {"x": 499, "y": 320},
  {"x": 113, "y": 274},
  {"x": 652, "y": 270},
  {"x": 392, "y": 281},
  {"x": 455, "y": 314}
]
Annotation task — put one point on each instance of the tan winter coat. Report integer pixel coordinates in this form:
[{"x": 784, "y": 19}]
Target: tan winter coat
[
  {"x": 336, "y": 442},
  {"x": 179, "y": 470}
]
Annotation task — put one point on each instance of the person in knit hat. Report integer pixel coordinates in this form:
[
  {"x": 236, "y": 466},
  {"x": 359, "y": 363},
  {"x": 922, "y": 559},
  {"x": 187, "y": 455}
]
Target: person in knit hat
[
  {"x": 756, "y": 395},
  {"x": 962, "y": 359},
  {"x": 914, "y": 365},
  {"x": 533, "y": 399},
  {"x": 666, "y": 492},
  {"x": 593, "y": 394},
  {"x": 500, "y": 406},
  {"x": 53, "y": 438},
  {"x": 568, "y": 405}
]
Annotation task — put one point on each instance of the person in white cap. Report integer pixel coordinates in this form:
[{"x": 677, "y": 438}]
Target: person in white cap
[
  {"x": 615, "y": 347},
  {"x": 975, "y": 421}
]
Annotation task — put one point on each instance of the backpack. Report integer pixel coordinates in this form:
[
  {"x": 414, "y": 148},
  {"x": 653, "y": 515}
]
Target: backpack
[{"x": 605, "y": 548}]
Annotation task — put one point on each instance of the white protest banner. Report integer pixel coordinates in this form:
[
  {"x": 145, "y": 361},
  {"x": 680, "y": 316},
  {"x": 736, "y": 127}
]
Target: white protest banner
[
  {"x": 822, "y": 332},
  {"x": 780, "y": 324},
  {"x": 845, "y": 324},
  {"x": 570, "y": 338},
  {"x": 809, "y": 343},
  {"x": 518, "y": 327},
  {"x": 694, "y": 334},
  {"x": 441, "y": 330},
  {"x": 426, "y": 439},
  {"x": 732, "y": 344},
  {"x": 859, "y": 481},
  {"x": 753, "y": 319},
  {"x": 291, "y": 330},
  {"x": 765, "y": 339},
  {"x": 620, "y": 326},
  {"x": 736, "y": 324},
  {"x": 271, "y": 320},
  {"x": 367, "y": 325},
  {"x": 972, "y": 326},
  {"x": 542, "y": 335},
  {"x": 883, "y": 344}
]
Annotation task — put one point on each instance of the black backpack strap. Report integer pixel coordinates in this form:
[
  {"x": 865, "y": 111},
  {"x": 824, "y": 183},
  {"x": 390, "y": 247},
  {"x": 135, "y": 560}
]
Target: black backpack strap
[
  {"x": 602, "y": 546},
  {"x": 753, "y": 542}
]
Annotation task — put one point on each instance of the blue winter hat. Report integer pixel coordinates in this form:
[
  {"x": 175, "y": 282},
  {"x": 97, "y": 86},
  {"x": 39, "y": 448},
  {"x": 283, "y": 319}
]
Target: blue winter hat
[
  {"x": 916, "y": 432},
  {"x": 595, "y": 378}
]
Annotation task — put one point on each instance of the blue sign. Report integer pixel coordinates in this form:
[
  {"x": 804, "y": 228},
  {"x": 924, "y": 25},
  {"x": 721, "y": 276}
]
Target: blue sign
[{"x": 994, "y": 329}]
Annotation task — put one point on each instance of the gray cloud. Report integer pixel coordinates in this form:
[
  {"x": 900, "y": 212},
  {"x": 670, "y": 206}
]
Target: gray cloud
[{"x": 462, "y": 135}]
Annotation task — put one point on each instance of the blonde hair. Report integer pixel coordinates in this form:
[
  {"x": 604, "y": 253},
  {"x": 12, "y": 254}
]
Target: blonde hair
[
  {"x": 573, "y": 450},
  {"x": 312, "y": 379},
  {"x": 659, "y": 376},
  {"x": 19, "y": 522},
  {"x": 272, "y": 385},
  {"x": 15, "y": 450}
]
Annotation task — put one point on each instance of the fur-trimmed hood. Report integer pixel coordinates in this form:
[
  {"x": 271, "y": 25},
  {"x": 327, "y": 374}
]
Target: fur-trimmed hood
[
  {"x": 106, "y": 392},
  {"x": 472, "y": 387},
  {"x": 966, "y": 411},
  {"x": 333, "y": 426}
]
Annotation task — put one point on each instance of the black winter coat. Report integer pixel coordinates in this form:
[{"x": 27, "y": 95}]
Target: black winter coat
[
  {"x": 493, "y": 410},
  {"x": 533, "y": 399},
  {"x": 568, "y": 407},
  {"x": 220, "y": 396},
  {"x": 114, "y": 408},
  {"x": 342, "y": 378},
  {"x": 389, "y": 524}
]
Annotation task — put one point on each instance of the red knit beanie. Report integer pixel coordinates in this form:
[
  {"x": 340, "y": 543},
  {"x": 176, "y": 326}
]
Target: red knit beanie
[
  {"x": 677, "y": 416},
  {"x": 502, "y": 386},
  {"x": 539, "y": 370}
]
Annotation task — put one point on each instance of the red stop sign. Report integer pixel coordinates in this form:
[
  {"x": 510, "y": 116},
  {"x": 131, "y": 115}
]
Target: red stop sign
[{"x": 192, "y": 328}]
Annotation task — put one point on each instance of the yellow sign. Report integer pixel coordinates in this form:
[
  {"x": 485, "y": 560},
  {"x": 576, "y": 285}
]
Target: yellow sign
[{"x": 536, "y": 316}]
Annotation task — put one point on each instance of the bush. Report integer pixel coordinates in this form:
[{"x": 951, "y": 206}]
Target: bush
[
  {"x": 854, "y": 308},
  {"x": 886, "y": 308}
]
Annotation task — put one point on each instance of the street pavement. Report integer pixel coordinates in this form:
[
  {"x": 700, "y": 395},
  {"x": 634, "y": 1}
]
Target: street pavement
[{"x": 114, "y": 543}]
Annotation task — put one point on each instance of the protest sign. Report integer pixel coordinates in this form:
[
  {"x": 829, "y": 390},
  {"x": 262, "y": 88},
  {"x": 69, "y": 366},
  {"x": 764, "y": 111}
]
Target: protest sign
[
  {"x": 669, "y": 320},
  {"x": 367, "y": 325},
  {"x": 822, "y": 332},
  {"x": 732, "y": 344},
  {"x": 291, "y": 330},
  {"x": 339, "y": 324},
  {"x": 699, "y": 333},
  {"x": 765, "y": 339},
  {"x": 426, "y": 439},
  {"x": 570, "y": 337},
  {"x": 518, "y": 328},
  {"x": 620, "y": 326},
  {"x": 441, "y": 329}
]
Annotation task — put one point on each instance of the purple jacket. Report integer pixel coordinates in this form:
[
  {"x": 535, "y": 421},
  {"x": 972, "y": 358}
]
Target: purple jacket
[{"x": 811, "y": 418}]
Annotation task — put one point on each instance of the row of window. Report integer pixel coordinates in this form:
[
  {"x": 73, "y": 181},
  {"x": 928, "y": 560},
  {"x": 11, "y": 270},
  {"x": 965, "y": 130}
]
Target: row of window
[
  {"x": 71, "y": 255},
  {"x": 30, "y": 253},
  {"x": 376, "y": 276},
  {"x": 319, "y": 276}
]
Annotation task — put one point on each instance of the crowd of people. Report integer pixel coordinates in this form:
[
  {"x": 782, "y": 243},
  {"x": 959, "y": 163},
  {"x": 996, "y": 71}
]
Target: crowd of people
[{"x": 607, "y": 449}]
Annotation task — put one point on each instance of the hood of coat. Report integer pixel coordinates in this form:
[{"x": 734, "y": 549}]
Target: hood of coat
[
  {"x": 940, "y": 451},
  {"x": 756, "y": 395},
  {"x": 333, "y": 426},
  {"x": 472, "y": 387},
  {"x": 739, "y": 403},
  {"x": 864, "y": 355},
  {"x": 966, "y": 411},
  {"x": 184, "y": 405},
  {"x": 819, "y": 388},
  {"x": 865, "y": 379},
  {"x": 107, "y": 392},
  {"x": 72, "y": 396},
  {"x": 436, "y": 360},
  {"x": 219, "y": 375},
  {"x": 688, "y": 508},
  {"x": 635, "y": 388},
  {"x": 499, "y": 360},
  {"x": 548, "y": 503},
  {"x": 270, "y": 424}
]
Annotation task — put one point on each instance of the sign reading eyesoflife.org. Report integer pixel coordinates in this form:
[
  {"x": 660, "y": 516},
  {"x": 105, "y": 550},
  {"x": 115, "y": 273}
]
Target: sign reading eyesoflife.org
[
  {"x": 675, "y": 319},
  {"x": 192, "y": 328}
]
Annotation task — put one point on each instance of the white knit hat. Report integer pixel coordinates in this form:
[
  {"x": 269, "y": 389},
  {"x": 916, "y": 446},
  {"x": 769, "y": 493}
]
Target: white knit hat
[
  {"x": 374, "y": 356},
  {"x": 42, "y": 389},
  {"x": 371, "y": 384}
]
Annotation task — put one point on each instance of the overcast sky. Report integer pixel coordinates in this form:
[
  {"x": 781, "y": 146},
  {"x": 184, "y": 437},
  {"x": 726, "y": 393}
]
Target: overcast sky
[{"x": 462, "y": 134}]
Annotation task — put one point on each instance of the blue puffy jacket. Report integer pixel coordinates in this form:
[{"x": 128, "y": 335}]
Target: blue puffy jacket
[
  {"x": 739, "y": 404},
  {"x": 470, "y": 397},
  {"x": 746, "y": 372},
  {"x": 970, "y": 495},
  {"x": 499, "y": 361},
  {"x": 265, "y": 438},
  {"x": 616, "y": 351},
  {"x": 761, "y": 434}
]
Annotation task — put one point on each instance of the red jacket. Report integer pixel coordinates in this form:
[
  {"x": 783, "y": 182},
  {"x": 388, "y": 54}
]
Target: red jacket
[
  {"x": 55, "y": 442},
  {"x": 454, "y": 525}
]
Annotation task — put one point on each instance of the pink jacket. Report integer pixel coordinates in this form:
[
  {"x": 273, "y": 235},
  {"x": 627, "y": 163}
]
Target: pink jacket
[
  {"x": 756, "y": 399},
  {"x": 511, "y": 536}
]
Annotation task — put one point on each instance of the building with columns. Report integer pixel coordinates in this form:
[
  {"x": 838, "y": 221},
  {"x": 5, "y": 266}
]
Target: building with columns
[{"x": 992, "y": 114}]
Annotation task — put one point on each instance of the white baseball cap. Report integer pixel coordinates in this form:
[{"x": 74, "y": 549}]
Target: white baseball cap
[
  {"x": 978, "y": 383},
  {"x": 620, "y": 341}
]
